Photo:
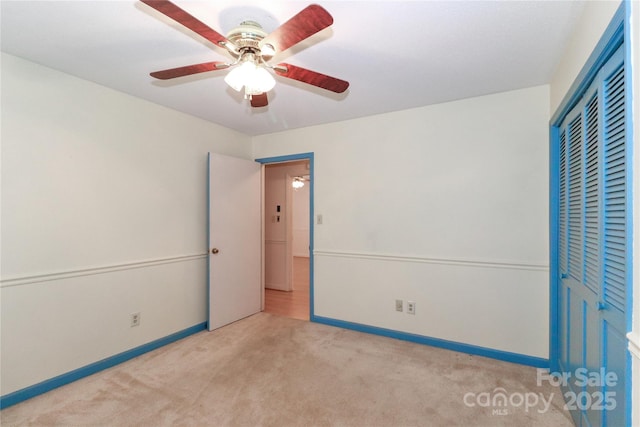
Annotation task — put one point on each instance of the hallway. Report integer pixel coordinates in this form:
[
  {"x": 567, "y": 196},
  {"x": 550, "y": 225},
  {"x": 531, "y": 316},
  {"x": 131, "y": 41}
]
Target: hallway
[{"x": 294, "y": 304}]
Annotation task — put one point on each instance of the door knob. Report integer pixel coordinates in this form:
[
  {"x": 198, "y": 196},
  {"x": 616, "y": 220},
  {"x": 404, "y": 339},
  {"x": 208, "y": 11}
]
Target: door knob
[{"x": 214, "y": 251}]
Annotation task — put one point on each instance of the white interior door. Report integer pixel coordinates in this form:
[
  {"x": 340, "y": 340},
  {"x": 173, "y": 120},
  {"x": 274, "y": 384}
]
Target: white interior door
[{"x": 234, "y": 239}]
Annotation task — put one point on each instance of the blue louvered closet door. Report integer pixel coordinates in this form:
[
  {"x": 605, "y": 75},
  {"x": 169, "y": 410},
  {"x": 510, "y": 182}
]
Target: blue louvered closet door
[{"x": 592, "y": 250}]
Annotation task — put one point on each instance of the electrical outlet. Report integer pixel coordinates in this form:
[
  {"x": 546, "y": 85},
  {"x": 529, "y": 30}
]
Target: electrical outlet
[
  {"x": 135, "y": 319},
  {"x": 399, "y": 305},
  {"x": 411, "y": 307}
]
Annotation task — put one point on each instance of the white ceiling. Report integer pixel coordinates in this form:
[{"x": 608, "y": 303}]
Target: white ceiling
[{"x": 395, "y": 54}]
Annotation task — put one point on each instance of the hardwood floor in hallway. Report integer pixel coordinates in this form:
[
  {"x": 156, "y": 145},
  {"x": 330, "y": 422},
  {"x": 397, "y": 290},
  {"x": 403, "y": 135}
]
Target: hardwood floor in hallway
[{"x": 294, "y": 304}]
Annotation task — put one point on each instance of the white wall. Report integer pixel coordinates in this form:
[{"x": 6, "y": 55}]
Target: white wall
[
  {"x": 445, "y": 205},
  {"x": 103, "y": 214},
  {"x": 595, "y": 19}
]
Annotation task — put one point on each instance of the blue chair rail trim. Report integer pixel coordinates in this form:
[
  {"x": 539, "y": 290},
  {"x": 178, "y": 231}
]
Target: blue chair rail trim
[
  {"x": 505, "y": 356},
  {"x": 69, "y": 377}
]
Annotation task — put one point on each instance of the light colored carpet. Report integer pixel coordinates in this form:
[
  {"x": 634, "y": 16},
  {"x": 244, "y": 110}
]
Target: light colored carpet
[{"x": 273, "y": 371}]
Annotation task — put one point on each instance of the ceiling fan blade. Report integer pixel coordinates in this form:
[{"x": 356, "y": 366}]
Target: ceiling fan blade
[
  {"x": 311, "y": 77},
  {"x": 306, "y": 23},
  {"x": 189, "y": 70},
  {"x": 259, "y": 100},
  {"x": 182, "y": 17}
]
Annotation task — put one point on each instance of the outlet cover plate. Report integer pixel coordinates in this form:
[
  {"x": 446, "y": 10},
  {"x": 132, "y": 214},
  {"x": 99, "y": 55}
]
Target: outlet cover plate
[
  {"x": 135, "y": 319},
  {"x": 411, "y": 307}
]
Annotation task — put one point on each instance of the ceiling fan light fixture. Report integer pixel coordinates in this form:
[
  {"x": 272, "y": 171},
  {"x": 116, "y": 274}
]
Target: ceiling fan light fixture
[
  {"x": 237, "y": 77},
  {"x": 261, "y": 81},
  {"x": 254, "y": 78},
  {"x": 298, "y": 182}
]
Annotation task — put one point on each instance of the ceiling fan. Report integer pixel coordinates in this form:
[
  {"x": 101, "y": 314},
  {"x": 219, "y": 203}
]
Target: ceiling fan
[{"x": 252, "y": 48}]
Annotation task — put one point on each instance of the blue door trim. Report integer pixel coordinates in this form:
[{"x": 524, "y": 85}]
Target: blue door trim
[
  {"x": 208, "y": 237},
  {"x": 554, "y": 211},
  {"x": 630, "y": 182},
  {"x": 291, "y": 158}
]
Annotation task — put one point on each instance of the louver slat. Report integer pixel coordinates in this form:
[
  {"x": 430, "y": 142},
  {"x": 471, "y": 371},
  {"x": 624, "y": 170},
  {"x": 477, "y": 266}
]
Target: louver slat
[
  {"x": 591, "y": 212},
  {"x": 562, "y": 221},
  {"x": 575, "y": 198},
  {"x": 615, "y": 250}
]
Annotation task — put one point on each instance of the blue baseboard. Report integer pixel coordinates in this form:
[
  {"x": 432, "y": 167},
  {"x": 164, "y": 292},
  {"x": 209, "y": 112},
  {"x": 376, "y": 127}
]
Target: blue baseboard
[
  {"x": 52, "y": 383},
  {"x": 47, "y": 385},
  {"x": 506, "y": 356}
]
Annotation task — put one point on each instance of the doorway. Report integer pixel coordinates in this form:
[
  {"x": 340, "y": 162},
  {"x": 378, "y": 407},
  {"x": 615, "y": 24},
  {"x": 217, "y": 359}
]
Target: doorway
[{"x": 288, "y": 236}]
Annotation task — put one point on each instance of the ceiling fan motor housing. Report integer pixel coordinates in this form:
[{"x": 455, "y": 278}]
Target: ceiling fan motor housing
[{"x": 247, "y": 35}]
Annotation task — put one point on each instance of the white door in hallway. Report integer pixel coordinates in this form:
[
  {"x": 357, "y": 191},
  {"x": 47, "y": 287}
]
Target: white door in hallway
[{"x": 234, "y": 239}]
